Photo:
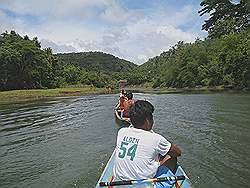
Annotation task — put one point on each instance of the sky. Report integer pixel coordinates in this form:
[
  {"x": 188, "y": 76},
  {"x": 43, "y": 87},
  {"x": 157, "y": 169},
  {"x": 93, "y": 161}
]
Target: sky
[{"x": 135, "y": 30}]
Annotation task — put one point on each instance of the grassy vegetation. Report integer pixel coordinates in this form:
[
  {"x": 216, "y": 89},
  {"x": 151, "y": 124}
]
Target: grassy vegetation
[{"x": 31, "y": 94}]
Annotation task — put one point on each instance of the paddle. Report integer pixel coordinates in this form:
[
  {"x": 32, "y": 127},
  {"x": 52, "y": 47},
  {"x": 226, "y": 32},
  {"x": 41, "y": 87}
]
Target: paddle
[{"x": 130, "y": 182}]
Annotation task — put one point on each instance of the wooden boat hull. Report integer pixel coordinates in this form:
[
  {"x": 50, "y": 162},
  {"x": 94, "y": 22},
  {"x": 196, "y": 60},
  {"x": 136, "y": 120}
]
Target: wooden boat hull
[
  {"x": 122, "y": 122},
  {"x": 107, "y": 176}
]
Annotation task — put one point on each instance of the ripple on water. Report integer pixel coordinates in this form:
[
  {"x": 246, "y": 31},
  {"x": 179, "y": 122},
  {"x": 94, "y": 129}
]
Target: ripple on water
[{"x": 61, "y": 142}]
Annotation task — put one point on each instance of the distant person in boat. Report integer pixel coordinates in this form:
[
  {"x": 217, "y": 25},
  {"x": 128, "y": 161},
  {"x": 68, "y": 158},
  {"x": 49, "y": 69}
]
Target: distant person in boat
[
  {"x": 140, "y": 151},
  {"x": 122, "y": 93},
  {"x": 127, "y": 104},
  {"x": 122, "y": 100}
]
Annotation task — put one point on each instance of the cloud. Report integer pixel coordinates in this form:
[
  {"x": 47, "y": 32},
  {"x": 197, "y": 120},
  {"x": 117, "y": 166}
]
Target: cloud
[
  {"x": 102, "y": 25},
  {"x": 136, "y": 42},
  {"x": 52, "y": 8},
  {"x": 57, "y": 48},
  {"x": 5, "y": 23},
  {"x": 142, "y": 58},
  {"x": 115, "y": 13},
  {"x": 172, "y": 33}
]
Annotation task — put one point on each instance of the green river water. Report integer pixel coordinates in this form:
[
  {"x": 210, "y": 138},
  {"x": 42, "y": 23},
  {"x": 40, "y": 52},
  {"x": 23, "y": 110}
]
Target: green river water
[{"x": 65, "y": 142}]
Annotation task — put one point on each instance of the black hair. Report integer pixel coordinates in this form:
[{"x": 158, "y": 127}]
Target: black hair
[
  {"x": 139, "y": 112},
  {"x": 129, "y": 95}
]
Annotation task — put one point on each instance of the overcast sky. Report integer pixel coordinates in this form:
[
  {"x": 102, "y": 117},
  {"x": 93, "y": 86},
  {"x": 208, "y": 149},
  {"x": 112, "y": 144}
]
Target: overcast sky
[{"x": 131, "y": 29}]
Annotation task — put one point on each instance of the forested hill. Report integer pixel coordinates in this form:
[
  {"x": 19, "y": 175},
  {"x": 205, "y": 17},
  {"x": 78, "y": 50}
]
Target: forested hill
[
  {"x": 97, "y": 61},
  {"x": 214, "y": 62},
  {"x": 25, "y": 65}
]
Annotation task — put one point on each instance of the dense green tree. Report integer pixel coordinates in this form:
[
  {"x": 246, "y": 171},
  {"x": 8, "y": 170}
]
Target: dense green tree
[
  {"x": 23, "y": 64},
  {"x": 212, "y": 62},
  {"x": 225, "y": 17}
]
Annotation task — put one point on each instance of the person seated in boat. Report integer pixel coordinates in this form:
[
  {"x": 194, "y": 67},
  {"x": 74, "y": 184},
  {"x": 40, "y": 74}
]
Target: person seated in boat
[
  {"x": 139, "y": 150},
  {"x": 122, "y": 93},
  {"x": 127, "y": 104},
  {"x": 122, "y": 100}
]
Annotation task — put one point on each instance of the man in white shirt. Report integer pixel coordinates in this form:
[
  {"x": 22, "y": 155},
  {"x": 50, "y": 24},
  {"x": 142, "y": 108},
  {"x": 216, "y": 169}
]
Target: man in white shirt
[{"x": 138, "y": 148}]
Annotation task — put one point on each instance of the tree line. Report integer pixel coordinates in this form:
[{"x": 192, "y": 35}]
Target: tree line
[
  {"x": 25, "y": 65},
  {"x": 212, "y": 62},
  {"x": 220, "y": 59}
]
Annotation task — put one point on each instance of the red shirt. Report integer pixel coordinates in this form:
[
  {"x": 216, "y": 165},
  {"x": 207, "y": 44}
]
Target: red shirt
[
  {"x": 122, "y": 101},
  {"x": 127, "y": 104}
]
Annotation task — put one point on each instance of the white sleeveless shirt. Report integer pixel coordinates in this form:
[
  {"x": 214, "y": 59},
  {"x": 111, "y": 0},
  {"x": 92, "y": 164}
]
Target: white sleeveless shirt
[{"x": 137, "y": 153}]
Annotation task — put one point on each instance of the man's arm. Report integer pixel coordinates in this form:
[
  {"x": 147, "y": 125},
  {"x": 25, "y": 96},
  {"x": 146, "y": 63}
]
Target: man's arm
[
  {"x": 170, "y": 159},
  {"x": 174, "y": 151}
]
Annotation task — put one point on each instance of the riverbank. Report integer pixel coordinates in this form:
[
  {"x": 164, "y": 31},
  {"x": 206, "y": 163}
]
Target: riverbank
[
  {"x": 33, "y": 94},
  {"x": 217, "y": 89}
]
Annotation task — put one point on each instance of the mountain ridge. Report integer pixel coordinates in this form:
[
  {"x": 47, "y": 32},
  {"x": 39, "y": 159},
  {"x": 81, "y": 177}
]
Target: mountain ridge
[{"x": 96, "y": 61}]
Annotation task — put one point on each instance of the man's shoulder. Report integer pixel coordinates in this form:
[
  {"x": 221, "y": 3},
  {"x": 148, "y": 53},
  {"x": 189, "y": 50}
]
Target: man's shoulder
[
  {"x": 130, "y": 130},
  {"x": 124, "y": 129},
  {"x": 158, "y": 136},
  {"x": 148, "y": 133},
  {"x": 131, "y": 101}
]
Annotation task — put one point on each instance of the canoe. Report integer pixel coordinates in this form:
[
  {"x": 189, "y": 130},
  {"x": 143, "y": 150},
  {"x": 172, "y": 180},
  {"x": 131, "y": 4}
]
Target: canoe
[
  {"x": 122, "y": 122},
  {"x": 107, "y": 176}
]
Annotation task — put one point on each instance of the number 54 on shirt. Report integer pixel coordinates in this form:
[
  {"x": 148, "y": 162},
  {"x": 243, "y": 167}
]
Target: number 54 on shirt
[{"x": 127, "y": 150}]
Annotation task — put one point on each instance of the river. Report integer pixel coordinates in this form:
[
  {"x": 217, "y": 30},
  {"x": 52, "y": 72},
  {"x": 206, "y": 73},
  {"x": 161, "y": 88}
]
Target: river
[{"x": 65, "y": 142}]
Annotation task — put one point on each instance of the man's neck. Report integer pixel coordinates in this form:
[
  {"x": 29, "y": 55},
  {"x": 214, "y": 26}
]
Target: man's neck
[{"x": 142, "y": 128}]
